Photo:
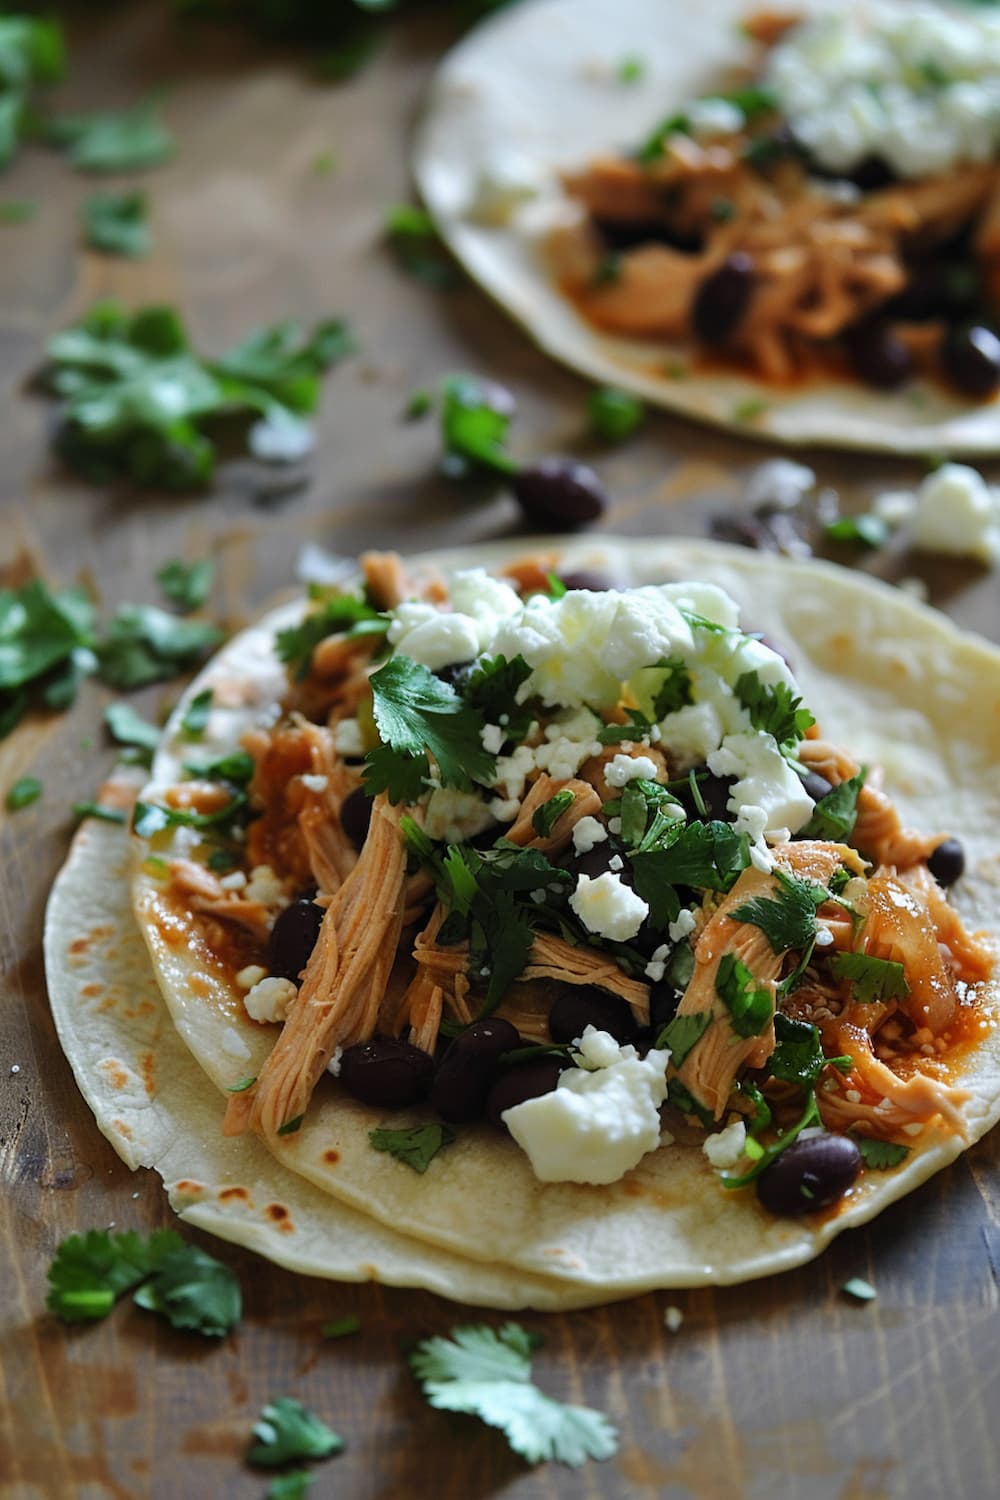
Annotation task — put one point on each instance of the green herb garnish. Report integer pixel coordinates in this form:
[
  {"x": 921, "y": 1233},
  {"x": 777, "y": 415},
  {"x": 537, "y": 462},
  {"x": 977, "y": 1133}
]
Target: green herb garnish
[
  {"x": 190, "y": 1289},
  {"x": 417, "y": 714},
  {"x": 117, "y": 224},
  {"x": 872, "y": 979},
  {"x": 98, "y": 811},
  {"x": 473, "y": 428},
  {"x": 127, "y": 727},
  {"x": 415, "y": 1146},
  {"x": 286, "y": 1431},
  {"x": 115, "y": 141},
  {"x": 834, "y": 815},
  {"x": 544, "y": 818},
  {"x": 881, "y": 1156},
  {"x": 776, "y": 710},
  {"x": 194, "y": 720},
  {"x": 186, "y": 584},
  {"x": 787, "y": 919},
  {"x": 26, "y": 789},
  {"x": 750, "y": 1005},
  {"x": 870, "y": 530},
  {"x": 681, "y": 1034},
  {"x": 613, "y": 414}
]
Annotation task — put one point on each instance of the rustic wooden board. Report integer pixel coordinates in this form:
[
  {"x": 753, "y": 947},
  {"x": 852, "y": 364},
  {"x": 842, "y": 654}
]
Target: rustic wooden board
[{"x": 781, "y": 1389}]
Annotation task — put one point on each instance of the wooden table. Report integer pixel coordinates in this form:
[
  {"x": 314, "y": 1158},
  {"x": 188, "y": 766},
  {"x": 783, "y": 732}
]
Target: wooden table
[{"x": 784, "y": 1388}]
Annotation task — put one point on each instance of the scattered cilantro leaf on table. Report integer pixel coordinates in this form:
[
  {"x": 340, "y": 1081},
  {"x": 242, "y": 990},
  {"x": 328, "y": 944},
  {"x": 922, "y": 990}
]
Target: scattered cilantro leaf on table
[
  {"x": 787, "y": 919},
  {"x": 870, "y": 530},
  {"x": 186, "y": 584},
  {"x": 98, "y": 810},
  {"x": 287, "y": 1431},
  {"x": 125, "y": 140},
  {"x": 474, "y": 426},
  {"x": 117, "y": 223},
  {"x": 290, "y": 1486},
  {"x": 136, "y": 397},
  {"x": 415, "y": 1146},
  {"x": 414, "y": 240},
  {"x": 614, "y": 414},
  {"x": 419, "y": 715},
  {"x": 872, "y": 979},
  {"x": 189, "y": 1288},
  {"x": 145, "y": 644},
  {"x": 881, "y": 1155},
  {"x": 32, "y": 54},
  {"x": 340, "y": 1328},
  {"x": 487, "y": 1373},
  {"x": 25, "y": 790}
]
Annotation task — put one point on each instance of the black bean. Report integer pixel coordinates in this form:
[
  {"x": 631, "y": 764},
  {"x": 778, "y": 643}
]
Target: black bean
[
  {"x": 560, "y": 492},
  {"x": 581, "y": 1005},
  {"x": 871, "y": 173},
  {"x": 722, "y": 299},
  {"x": 527, "y": 1080},
  {"x": 809, "y": 1175},
  {"x": 947, "y": 862},
  {"x": 816, "y": 786},
  {"x": 971, "y": 359},
  {"x": 465, "y": 1073},
  {"x": 293, "y": 939},
  {"x": 387, "y": 1072},
  {"x": 878, "y": 355},
  {"x": 356, "y": 816},
  {"x": 588, "y": 578}
]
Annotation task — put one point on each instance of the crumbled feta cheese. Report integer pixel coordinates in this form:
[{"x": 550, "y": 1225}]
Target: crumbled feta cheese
[
  {"x": 959, "y": 513},
  {"x": 765, "y": 780},
  {"x": 234, "y": 881},
  {"x": 315, "y": 783},
  {"x": 233, "y": 1044},
  {"x": 453, "y": 816},
  {"x": 269, "y": 999},
  {"x": 824, "y": 937},
  {"x": 672, "y": 1319},
  {"x": 587, "y": 834},
  {"x": 333, "y": 1066},
  {"x": 608, "y": 907},
  {"x": 348, "y": 739},
  {"x": 625, "y": 768},
  {"x": 684, "y": 925},
  {"x": 916, "y": 85},
  {"x": 614, "y": 825},
  {"x": 600, "y": 1120},
  {"x": 504, "y": 810},
  {"x": 264, "y": 886},
  {"x": 508, "y": 180},
  {"x": 492, "y": 737},
  {"x": 894, "y": 507},
  {"x": 711, "y": 117},
  {"x": 725, "y": 1148},
  {"x": 513, "y": 770},
  {"x": 616, "y": 863},
  {"x": 251, "y": 975},
  {"x": 779, "y": 481}
]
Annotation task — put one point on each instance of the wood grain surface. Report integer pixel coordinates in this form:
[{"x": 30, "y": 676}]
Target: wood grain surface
[{"x": 784, "y": 1388}]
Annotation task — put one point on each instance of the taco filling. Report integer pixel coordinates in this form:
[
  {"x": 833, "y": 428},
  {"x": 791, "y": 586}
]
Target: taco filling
[
  {"x": 833, "y": 208},
  {"x": 579, "y": 862}
]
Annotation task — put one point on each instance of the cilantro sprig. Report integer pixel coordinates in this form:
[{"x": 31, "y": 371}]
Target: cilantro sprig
[
  {"x": 750, "y": 1005},
  {"x": 776, "y": 710},
  {"x": 487, "y": 1373},
  {"x": 176, "y": 1279},
  {"x": 706, "y": 856},
  {"x": 286, "y": 1431},
  {"x": 788, "y": 918},
  {"x": 417, "y": 715},
  {"x": 872, "y": 979}
]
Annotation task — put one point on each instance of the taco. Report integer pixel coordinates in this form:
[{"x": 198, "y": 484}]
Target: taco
[
  {"x": 461, "y": 843},
  {"x": 787, "y": 224}
]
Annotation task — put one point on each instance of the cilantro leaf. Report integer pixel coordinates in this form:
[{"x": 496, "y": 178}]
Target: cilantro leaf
[
  {"x": 787, "y": 920},
  {"x": 342, "y": 614},
  {"x": 404, "y": 777},
  {"x": 798, "y": 1056},
  {"x": 870, "y": 530},
  {"x": 675, "y": 691},
  {"x": 491, "y": 687},
  {"x": 414, "y": 240},
  {"x": 194, "y": 1291},
  {"x": 100, "y": 811},
  {"x": 145, "y": 644},
  {"x": 91, "y": 1271},
  {"x": 707, "y": 856},
  {"x": 115, "y": 141},
  {"x": 474, "y": 425},
  {"x": 117, "y": 224},
  {"x": 290, "y": 1486},
  {"x": 681, "y": 1034},
  {"x": 238, "y": 766},
  {"x": 287, "y": 1431},
  {"x": 22, "y": 793},
  {"x": 544, "y": 818},
  {"x": 186, "y": 584},
  {"x": 194, "y": 720},
  {"x": 834, "y": 815},
  {"x": 151, "y": 818},
  {"x": 615, "y": 734},
  {"x": 613, "y": 414},
  {"x": 127, "y": 727},
  {"x": 31, "y": 53},
  {"x": 872, "y": 979},
  {"x": 417, "y": 714},
  {"x": 487, "y": 1373},
  {"x": 775, "y": 710},
  {"x": 415, "y": 1146},
  {"x": 750, "y": 1005},
  {"x": 881, "y": 1155},
  {"x": 340, "y": 1328}
]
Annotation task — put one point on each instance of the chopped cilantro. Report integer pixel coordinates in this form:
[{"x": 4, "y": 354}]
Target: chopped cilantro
[
  {"x": 653, "y": 146},
  {"x": 750, "y": 409},
  {"x": 419, "y": 715},
  {"x": 881, "y": 1155},
  {"x": 286, "y": 1431},
  {"x": 238, "y": 766},
  {"x": 872, "y": 979},
  {"x": 681, "y": 1034},
  {"x": 556, "y": 588},
  {"x": 117, "y": 224},
  {"x": 99, "y": 811},
  {"x": 487, "y": 1373},
  {"x": 31, "y": 54},
  {"x": 415, "y": 1146},
  {"x": 190, "y": 1289},
  {"x": 631, "y": 68},
  {"x": 870, "y": 530},
  {"x": 750, "y": 1005},
  {"x": 220, "y": 860},
  {"x": 616, "y": 734},
  {"x": 613, "y": 414},
  {"x": 775, "y": 710},
  {"x": 341, "y": 1327},
  {"x": 17, "y": 211},
  {"x": 859, "y": 1288},
  {"x": 25, "y": 790},
  {"x": 798, "y": 1056},
  {"x": 418, "y": 405},
  {"x": 474, "y": 426},
  {"x": 809, "y": 1116},
  {"x": 491, "y": 688},
  {"x": 194, "y": 720},
  {"x": 676, "y": 690},
  {"x": 242, "y": 1086},
  {"x": 788, "y": 919},
  {"x": 342, "y": 614},
  {"x": 682, "y": 1098},
  {"x": 414, "y": 241},
  {"x": 151, "y": 818},
  {"x": 136, "y": 397},
  {"x": 145, "y": 644},
  {"x": 707, "y": 856},
  {"x": 291, "y": 1127},
  {"x": 834, "y": 815},
  {"x": 115, "y": 141},
  {"x": 290, "y": 1486},
  {"x": 544, "y": 818},
  {"x": 127, "y": 727},
  {"x": 186, "y": 584}
]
